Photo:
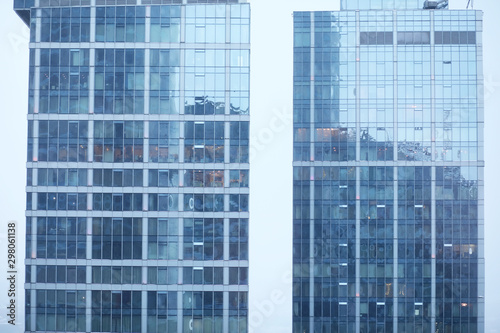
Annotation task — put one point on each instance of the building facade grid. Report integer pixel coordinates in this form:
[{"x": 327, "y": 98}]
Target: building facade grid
[
  {"x": 388, "y": 170},
  {"x": 138, "y": 170}
]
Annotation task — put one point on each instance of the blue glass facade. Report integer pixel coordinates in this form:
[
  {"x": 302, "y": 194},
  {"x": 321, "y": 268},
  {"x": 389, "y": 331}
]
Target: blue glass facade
[
  {"x": 138, "y": 170},
  {"x": 392, "y": 4},
  {"x": 388, "y": 170}
]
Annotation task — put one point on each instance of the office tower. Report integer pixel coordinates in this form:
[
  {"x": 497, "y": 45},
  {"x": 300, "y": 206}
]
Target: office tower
[
  {"x": 137, "y": 194},
  {"x": 388, "y": 169}
]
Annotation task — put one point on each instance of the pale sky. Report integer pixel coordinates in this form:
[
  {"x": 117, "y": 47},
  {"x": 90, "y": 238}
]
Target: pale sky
[{"x": 271, "y": 140}]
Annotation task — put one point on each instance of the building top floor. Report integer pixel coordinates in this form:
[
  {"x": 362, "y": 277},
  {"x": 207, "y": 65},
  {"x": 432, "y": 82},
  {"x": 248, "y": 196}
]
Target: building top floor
[
  {"x": 392, "y": 4},
  {"x": 23, "y": 7},
  {"x": 26, "y": 4}
]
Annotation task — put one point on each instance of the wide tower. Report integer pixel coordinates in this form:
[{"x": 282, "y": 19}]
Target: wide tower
[{"x": 138, "y": 165}]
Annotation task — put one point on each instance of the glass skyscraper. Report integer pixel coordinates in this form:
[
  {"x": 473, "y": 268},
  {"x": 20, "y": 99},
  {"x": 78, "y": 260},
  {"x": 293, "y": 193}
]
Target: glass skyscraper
[
  {"x": 137, "y": 166},
  {"x": 388, "y": 169}
]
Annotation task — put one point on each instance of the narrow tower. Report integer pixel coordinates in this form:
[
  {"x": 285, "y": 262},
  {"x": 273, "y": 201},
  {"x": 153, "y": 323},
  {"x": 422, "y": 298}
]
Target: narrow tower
[{"x": 388, "y": 169}]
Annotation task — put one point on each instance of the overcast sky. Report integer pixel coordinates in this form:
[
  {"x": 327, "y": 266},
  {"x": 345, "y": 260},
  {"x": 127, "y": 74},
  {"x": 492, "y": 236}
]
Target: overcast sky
[{"x": 271, "y": 131}]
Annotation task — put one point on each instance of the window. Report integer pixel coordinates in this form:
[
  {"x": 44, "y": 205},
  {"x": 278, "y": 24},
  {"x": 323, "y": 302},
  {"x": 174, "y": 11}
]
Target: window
[
  {"x": 238, "y": 202},
  {"x": 203, "y": 239},
  {"x": 117, "y": 202},
  {"x": 455, "y": 37},
  {"x": 203, "y": 202},
  {"x": 206, "y": 25},
  {"x": 414, "y": 37},
  {"x": 203, "y": 275},
  {"x": 65, "y": 25},
  {"x": 62, "y": 177},
  {"x": 205, "y": 82},
  {"x": 119, "y": 81},
  {"x": 204, "y": 142},
  {"x": 164, "y": 141},
  {"x": 50, "y": 318},
  {"x": 120, "y": 24},
  {"x": 118, "y": 141},
  {"x": 239, "y": 140},
  {"x": 163, "y": 275},
  {"x": 238, "y": 275},
  {"x": 165, "y": 24},
  {"x": 164, "y": 81},
  {"x": 163, "y": 239},
  {"x": 239, "y": 178},
  {"x": 126, "y": 307},
  {"x": 62, "y": 141},
  {"x": 118, "y": 177},
  {"x": 238, "y": 309},
  {"x": 116, "y": 275},
  {"x": 63, "y": 81},
  {"x": 204, "y": 178},
  {"x": 201, "y": 304},
  {"x": 117, "y": 238},
  {"x": 376, "y": 38},
  {"x": 162, "y": 311},
  {"x": 163, "y": 178},
  {"x": 238, "y": 239},
  {"x": 61, "y": 274},
  {"x": 61, "y": 237},
  {"x": 163, "y": 202},
  {"x": 62, "y": 201}
]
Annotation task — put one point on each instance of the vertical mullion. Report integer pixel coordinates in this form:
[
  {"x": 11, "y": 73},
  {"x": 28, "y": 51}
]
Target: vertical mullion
[{"x": 311, "y": 184}]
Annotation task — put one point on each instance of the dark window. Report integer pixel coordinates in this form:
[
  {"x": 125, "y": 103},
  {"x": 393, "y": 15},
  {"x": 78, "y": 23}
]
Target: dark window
[
  {"x": 376, "y": 38},
  {"x": 455, "y": 37},
  {"x": 414, "y": 37}
]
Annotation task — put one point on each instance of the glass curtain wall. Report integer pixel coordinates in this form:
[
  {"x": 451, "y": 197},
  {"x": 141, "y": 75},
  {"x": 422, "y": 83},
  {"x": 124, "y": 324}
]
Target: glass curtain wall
[
  {"x": 388, "y": 167},
  {"x": 138, "y": 166}
]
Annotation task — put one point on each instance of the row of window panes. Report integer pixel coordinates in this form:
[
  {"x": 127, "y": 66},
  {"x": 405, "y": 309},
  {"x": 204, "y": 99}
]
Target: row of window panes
[
  {"x": 133, "y": 202},
  {"x": 199, "y": 300},
  {"x": 133, "y": 30},
  {"x": 158, "y": 153},
  {"x": 62, "y": 201},
  {"x": 60, "y": 274},
  {"x": 194, "y": 82},
  {"x": 63, "y": 226},
  {"x": 206, "y": 130},
  {"x": 466, "y": 211},
  {"x": 409, "y": 151},
  {"x": 116, "y": 248},
  {"x": 134, "y": 58},
  {"x": 133, "y": 275},
  {"x": 116, "y": 275},
  {"x": 132, "y": 102},
  {"x": 61, "y": 103},
  {"x": 63, "y": 58},
  {"x": 64, "y": 25},
  {"x": 117, "y": 238},
  {"x": 120, "y": 24},
  {"x": 58, "y": 82},
  {"x": 52, "y": 317},
  {"x": 196, "y": 275},
  {"x": 61, "y": 247},
  {"x": 161, "y": 249},
  {"x": 63, "y": 140},
  {"x": 159, "y": 103},
  {"x": 59, "y": 177},
  {"x": 134, "y": 177},
  {"x": 165, "y": 24},
  {"x": 126, "y": 307}
]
